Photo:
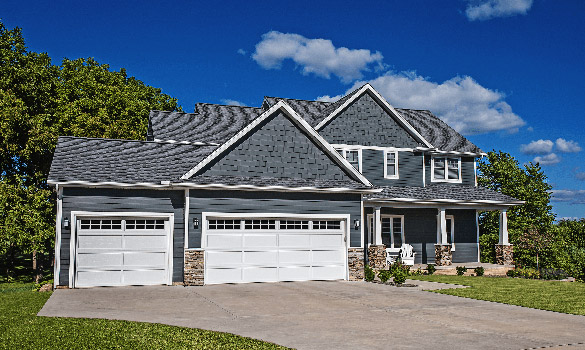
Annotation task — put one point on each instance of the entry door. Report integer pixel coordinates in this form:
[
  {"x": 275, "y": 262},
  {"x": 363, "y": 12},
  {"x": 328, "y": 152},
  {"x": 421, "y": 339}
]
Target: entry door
[{"x": 122, "y": 251}]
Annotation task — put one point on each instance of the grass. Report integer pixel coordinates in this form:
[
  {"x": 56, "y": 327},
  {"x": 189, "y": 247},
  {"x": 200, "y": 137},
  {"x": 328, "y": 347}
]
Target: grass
[
  {"x": 20, "y": 328},
  {"x": 566, "y": 297}
]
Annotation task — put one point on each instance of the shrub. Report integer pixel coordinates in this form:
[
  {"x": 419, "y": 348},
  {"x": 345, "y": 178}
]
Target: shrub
[
  {"x": 398, "y": 266},
  {"x": 384, "y": 275},
  {"x": 399, "y": 277},
  {"x": 431, "y": 269},
  {"x": 461, "y": 270},
  {"x": 417, "y": 272},
  {"x": 369, "y": 273},
  {"x": 479, "y": 271},
  {"x": 553, "y": 274}
]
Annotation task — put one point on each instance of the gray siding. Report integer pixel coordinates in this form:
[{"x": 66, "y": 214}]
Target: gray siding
[
  {"x": 271, "y": 202},
  {"x": 277, "y": 149},
  {"x": 420, "y": 231},
  {"x": 410, "y": 168},
  {"x": 366, "y": 123},
  {"x": 467, "y": 171},
  {"x": 124, "y": 200}
]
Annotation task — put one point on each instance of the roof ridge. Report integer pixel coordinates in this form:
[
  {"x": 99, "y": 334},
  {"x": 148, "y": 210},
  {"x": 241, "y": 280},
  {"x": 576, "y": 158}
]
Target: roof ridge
[
  {"x": 223, "y": 105},
  {"x": 160, "y": 142},
  {"x": 297, "y": 99}
]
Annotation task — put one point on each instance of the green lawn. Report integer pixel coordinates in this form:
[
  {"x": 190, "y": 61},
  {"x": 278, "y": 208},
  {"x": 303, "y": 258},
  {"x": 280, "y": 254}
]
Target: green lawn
[
  {"x": 20, "y": 328},
  {"x": 566, "y": 297}
]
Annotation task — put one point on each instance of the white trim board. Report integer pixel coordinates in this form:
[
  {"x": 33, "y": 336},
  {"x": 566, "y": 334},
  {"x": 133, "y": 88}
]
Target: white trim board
[
  {"x": 58, "y": 223},
  {"x": 299, "y": 122},
  {"x": 368, "y": 88},
  {"x": 75, "y": 214}
]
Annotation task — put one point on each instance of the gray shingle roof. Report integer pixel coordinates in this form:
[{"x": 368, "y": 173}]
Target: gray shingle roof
[
  {"x": 276, "y": 181},
  {"x": 104, "y": 160},
  {"x": 441, "y": 191},
  {"x": 437, "y": 132},
  {"x": 311, "y": 111},
  {"x": 210, "y": 123}
]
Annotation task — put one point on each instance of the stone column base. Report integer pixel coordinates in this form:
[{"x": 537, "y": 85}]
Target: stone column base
[
  {"x": 504, "y": 254},
  {"x": 355, "y": 262},
  {"x": 443, "y": 255},
  {"x": 194, "y": 268},
  {"x": 377, "y": 256}
]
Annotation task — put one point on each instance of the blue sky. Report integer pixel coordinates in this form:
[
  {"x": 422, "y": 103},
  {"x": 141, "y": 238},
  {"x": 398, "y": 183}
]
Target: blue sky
[{"x": 507, "y": 74}]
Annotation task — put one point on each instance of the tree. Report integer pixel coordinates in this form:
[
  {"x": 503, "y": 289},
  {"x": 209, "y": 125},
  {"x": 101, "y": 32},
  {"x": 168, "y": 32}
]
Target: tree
[
  {"x": 40, "y": 101},
  {"x": 501, "y": 172}
]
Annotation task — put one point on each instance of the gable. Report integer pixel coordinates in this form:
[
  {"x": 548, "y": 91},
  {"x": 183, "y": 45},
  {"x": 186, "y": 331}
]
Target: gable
[
  {"x": 366, "y": 123},
  {"x": 276, "y": 148}
]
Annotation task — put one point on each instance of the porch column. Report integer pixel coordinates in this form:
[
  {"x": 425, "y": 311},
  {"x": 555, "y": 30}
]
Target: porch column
[
  {"x": 504, "y": 250},
  {"x": 443, "y": 255},
  {"x": 378, "y": 226}
]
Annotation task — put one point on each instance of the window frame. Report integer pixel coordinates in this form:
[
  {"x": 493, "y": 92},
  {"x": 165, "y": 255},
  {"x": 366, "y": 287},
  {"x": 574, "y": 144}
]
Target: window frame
[
  {"x": 446, "y": 175},
  {"x": 452, "y": 233},
  {"x": 343, "y": 151},
  {"x": 396, "y": 175},
  {"x": 370, "y": 218}
]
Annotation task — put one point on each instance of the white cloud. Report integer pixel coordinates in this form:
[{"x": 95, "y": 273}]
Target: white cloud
[
  {"x": 567, "y": 146},
  {"x": 242, "y": 52},
  {"x": 571, "y": 196},
  {"x": 461, "y": 102},
  {"x": 328, "y": 98},
  {"x": 537, "y": 147},
  {"x": 549, "y": 159},
  {"x": 232, "y": 102},
  {"x": 317, "y": 56},
  {"x": 487, "y": 9}
]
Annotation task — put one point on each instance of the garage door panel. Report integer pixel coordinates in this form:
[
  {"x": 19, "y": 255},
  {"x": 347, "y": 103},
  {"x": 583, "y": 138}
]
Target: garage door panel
[
  {"x": 224, "y": 275},
  {"x": 327, "y": 256},
  {"x": 295, "y": 257},
  {"x": 294, "y": 241},
  {"x": 99, "y": 242},
  {"x": 218, "y": 258},
  {"x": 224, "y": 241},
  {"x": 100, "y": 260},
  {"x": 99, "y": 278},
  {"x": 328, "y": 272},
  {"x": 134, "y": 259},
  {"x": 145, "y": 242},
  {"x": 260, "y": 240},
  {"x": 294, "y": 273},
  {"x": 264, "y": 258},
  {"x": 144, "y": 277},
  {"x": 260, "y": 274},
  {"x": 326, "y": 241}
]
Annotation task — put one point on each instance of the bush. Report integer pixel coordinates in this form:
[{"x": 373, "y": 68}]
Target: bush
[
  {"x": 479, "y": 271},
  {"x": 398, "y": 266},
  {"x": 553, "y": 274},
  {"x": 431, "y": 269},
  {"x": 384, "y": 275},
  {"x": 461, "y": 270},
  {"x": 369, "y": 273},
  {"x": 417, "y": 272},
  {"x": 400, "y": 277},
  {"x": 524, "y": 273}
]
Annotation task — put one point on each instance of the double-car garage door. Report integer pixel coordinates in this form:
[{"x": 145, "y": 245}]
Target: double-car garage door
[{"x": 239, "y": 250}]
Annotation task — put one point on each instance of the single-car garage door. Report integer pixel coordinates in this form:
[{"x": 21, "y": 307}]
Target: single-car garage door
[
  {"x": 122, "y": 251},
  {"x": 239, "y": 250}
]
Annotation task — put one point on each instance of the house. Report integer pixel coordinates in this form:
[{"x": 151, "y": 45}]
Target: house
[{"x": 293, "y": 190}]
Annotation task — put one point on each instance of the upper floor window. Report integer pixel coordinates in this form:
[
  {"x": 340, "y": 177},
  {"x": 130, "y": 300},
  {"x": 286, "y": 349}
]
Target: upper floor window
[
  {"x": 353, "y": 156},
  {"x": 446, "y": 169},
  {"x": 391, "y": 164}
]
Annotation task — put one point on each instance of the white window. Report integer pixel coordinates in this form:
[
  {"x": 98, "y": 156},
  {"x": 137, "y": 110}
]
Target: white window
[
  {"x": 224, "y": 224},
  {"x": 450, "y": 223},
  {"x": 353, "y": 156},
  {"x": 392, "y": 230},
  {"x": 446, "y": 169},
  {"x": 390, "y": 164}
]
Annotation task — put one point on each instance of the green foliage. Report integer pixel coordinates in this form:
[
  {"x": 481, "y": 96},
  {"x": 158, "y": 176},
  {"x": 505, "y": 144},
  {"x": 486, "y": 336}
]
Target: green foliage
[
  {"x": 369, "y": 273},
  {"x": 461, "y": 270},
  {"x": 487, "y": 247},
  {"x": 384, "y": 275},
  {"x": 417, "y": 272},
  {"x": 40, "y": 101},
  {"x": 400, "y": 276},
  {"x": 525, "y": 272},
  {"x": 479, "y": 271},
  {"x": 22, "y": 329},
  {"x": 399, "y": 267},
  {"x": 431, "y": 269},
  {"x": 501, "y": 172}
]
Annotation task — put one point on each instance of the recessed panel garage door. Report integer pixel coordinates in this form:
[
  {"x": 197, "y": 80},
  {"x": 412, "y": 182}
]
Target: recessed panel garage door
[
  {"x": 121, "y": 251},
  {"x": 267, "y": 250}
]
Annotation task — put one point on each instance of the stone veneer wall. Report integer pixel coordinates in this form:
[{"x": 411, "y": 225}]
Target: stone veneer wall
[
  {"x": 443, "y": 255},
  {"x": 194, "y": 268},
  {"x": 504, "y": 254},
  {"x": 355, "y": 261},
  {"x": 377, "y": 256}
]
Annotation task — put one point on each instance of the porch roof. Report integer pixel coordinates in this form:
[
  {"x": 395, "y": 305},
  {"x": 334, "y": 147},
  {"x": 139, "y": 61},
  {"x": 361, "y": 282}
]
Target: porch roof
[{"x": 443, "y": 194}]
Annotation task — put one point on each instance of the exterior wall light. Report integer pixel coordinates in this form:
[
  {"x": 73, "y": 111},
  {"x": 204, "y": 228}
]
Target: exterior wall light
[
  {"x": 356, "y": 224},
  {"x": 195, "y": 223},
  {"x": 66, "y": 222}
]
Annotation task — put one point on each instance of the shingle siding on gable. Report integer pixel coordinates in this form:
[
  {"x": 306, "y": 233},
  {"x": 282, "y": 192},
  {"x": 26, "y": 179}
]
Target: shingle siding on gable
[
  {"x": 277, "y": 149},
  {"x": 365, "y": 123},
  {"x": 409, "y": 168}
]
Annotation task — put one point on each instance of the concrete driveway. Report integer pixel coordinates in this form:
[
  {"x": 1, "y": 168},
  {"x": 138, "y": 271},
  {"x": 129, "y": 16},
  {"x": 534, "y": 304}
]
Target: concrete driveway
[{"x": 330, "y": 315}]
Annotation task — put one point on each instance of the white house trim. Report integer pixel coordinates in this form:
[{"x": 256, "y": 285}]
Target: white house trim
[
  {"x": 75, "y": 214},
  {"x": 396, "y": 162},
  {"x": 391, "y": 217},
  {"x": 58, "y": 223},
  {"x": 300, "y": 122},
  {"x": 375, "y": 148},
  {"x": 446, "y": 158},
  {"x": 186, "y": 222},
  {"x": 383, "y": 103},
  {"x": 186, "y": 142}
]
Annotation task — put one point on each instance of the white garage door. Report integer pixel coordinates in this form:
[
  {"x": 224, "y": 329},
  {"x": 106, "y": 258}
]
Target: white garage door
[
  {"x": 267, "y": 250},
  {"x": 122, "y": 251}
]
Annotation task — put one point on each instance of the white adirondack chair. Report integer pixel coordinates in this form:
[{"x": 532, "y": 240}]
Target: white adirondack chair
[
  {"x": 392, "y": 254},
  {"x": 407, "y": 254}
]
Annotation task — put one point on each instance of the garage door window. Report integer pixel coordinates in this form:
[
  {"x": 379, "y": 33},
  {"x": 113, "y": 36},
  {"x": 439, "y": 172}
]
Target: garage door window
[
  {"x": 294, "y": 225},
  {"x": 97, "y": 224},
  {"x": 224, "y": 224},
  {"x": 326, "y": 225},
  {"x": 260, "y": 224},
  {"x": 145, "y": 224}
]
